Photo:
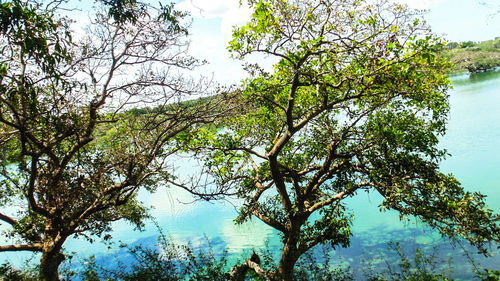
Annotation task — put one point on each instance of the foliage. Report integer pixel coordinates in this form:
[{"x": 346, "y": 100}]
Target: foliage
[
  {"x": 467, "y": 44},
  {"x": 489, "y": 275},
  {"x": 323, "y": 268},
  {"x": 452, "y": 45},
  {"x": 168, "y": 260},
  {"x": 7, "y": 272},
  {"x": 355, "y": 103},
  {"x": 37, "y": 35},
  {"x": 171, "y": 261},
  {"x": 474, "y": 57}
]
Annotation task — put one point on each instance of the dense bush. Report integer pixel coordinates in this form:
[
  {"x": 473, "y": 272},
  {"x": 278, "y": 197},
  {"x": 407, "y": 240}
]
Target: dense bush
[{"x": 467, "y": 44}]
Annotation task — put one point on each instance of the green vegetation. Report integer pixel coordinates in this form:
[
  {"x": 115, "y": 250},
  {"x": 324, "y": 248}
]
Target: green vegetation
[
  {"x": 421, "y": 267},
  {"x": 85, "y": 124},
  {"x": 347, "y": 109},
  {"x": 473, "y": 57},
  {"x": 168, "y": 261}
]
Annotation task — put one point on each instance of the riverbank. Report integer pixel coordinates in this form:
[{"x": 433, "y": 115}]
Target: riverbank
[{"x": 473, "y": 57}]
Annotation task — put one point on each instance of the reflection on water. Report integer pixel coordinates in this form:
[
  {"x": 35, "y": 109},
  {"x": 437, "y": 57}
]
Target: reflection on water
[
  {"x": 464, "y": 78},
  {"x": 369, "y": 251},
  {"x": 473, "y": 140},
  {"x": 473, "y": 135}
]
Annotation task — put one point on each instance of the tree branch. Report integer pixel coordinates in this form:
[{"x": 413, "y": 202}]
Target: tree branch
[
  {"x": 8, "y": 219},
  {"x": 239, "y": 272},
  {"x": 269, "y": 221},
  {"x": 337, "y": 197},
  {"x": 17, "y": 248}
]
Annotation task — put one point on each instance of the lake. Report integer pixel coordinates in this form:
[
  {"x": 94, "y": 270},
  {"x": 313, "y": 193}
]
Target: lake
[{"x": 473, "y": 140}]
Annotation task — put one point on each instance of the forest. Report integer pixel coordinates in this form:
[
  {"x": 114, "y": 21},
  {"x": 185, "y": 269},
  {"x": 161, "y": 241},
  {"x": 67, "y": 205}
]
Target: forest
[{"x": 356, "y": 102}]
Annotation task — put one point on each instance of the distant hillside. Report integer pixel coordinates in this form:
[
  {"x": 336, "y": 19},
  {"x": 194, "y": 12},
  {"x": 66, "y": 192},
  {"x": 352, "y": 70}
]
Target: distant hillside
[{"x": 474, "y": 57}]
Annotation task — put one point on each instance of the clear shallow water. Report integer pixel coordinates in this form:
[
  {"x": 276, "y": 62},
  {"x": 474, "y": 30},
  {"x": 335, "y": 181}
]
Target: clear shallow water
[{"x": 473, "y": 140}]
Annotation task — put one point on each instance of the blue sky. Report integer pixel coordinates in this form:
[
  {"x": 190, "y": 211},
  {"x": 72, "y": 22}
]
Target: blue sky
[
  {"x": 463, "y": 20},
  {"x": 455, "y": 20}
]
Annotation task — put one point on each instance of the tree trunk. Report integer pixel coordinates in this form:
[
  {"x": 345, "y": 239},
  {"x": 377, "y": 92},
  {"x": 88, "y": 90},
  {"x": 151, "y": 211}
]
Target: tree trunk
[
  {"x": 289, "y": 257},
  {"x": 49, "y": 265}
]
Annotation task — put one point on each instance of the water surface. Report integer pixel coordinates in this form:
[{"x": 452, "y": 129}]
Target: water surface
[{"x": 472, "y": 139}]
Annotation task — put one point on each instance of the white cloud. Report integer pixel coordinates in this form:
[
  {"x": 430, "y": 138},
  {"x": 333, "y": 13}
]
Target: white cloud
[
  {"x": 229, "y": 11},
  {"x": 207, "y": 9},
  {"x": 210, "y": 33},
  {"x": 420, "y": 4}
]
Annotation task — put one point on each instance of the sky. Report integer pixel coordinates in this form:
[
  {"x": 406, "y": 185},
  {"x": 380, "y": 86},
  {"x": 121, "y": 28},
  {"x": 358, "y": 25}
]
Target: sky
[
  {"x": 454, "y": 20},
  {"x": 213, "y": 20}
]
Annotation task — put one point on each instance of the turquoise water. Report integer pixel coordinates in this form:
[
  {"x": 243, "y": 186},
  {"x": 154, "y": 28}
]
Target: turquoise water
[
  {"x": 473, "y": 140},
  {"x": 473, "y": 134}
]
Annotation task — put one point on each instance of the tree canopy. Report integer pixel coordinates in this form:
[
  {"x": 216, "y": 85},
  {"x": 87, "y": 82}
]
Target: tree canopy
[
  {"x": 73, "y": 152},
  {"x": 355, "y": 102}
]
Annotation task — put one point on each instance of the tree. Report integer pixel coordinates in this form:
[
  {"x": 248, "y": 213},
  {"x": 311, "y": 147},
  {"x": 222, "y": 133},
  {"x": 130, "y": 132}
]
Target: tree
[
  {"x": 356, "y": 102},
  {"x": 73, "y": 152},
  {"x": 467, "y": 44}
]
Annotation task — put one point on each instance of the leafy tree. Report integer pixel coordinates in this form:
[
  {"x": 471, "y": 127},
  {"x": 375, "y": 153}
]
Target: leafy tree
[
  {"x": 73, "y": 156},
  {"x": 452, "y": 45},
  {"x": 355, "y": 103},
  {"x": 467, "y": 44}
]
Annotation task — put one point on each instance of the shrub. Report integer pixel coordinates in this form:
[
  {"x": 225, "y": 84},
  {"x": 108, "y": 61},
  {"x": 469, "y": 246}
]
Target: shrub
[{"x": 467, "y": 44}]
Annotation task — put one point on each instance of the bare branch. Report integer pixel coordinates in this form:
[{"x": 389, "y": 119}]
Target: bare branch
[
  {"x": 17, "y": 248},
  {"x": 8, "y": 219},
  {"x": 269, "y": 221},
  {"x": 239, "y": 272},
  {"x": 338, "y": 196}
]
